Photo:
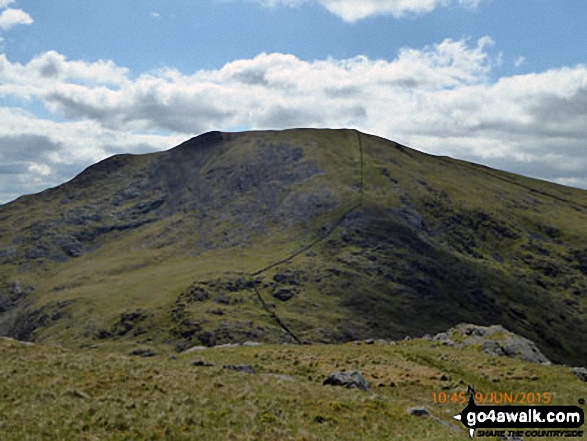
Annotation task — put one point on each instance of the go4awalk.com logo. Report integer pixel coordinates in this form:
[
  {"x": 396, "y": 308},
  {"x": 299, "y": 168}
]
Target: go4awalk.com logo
[{"x": 538, "y": 421}]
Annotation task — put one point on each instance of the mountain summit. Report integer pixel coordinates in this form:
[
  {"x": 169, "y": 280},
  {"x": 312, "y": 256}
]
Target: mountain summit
[{"x": 293, "y": 236}]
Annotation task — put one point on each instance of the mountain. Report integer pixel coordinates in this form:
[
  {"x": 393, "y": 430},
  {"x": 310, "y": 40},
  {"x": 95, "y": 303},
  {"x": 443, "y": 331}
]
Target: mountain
[{"x": 293, "y": 236}]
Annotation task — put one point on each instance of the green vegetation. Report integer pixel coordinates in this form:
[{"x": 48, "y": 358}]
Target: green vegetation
[
  {"x": 332, "y": 234},
  {"x": 52, "y": 393},
  {"x": 314, "y": 236}
]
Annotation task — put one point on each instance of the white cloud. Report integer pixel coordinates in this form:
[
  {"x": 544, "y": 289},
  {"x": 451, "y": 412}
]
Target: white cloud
[
  {"x": 351, "y": 11},
  {"x": 155, "y": 14},
  {"x": 243, "y": 92},
  {"x": 12, "y": 17},
  {"x": 5, "y": 3},
  {"x": 38, "y": 153},
  {"x": 354, "y": 10},
  {"x": 439, "y": 99},
  {"x": 519, "y": 61},
  {"x": 51, "y": 71}
]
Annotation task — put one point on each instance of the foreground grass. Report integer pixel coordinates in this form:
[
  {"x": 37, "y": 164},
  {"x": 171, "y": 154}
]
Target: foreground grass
[{"x": 51, "y": 393}]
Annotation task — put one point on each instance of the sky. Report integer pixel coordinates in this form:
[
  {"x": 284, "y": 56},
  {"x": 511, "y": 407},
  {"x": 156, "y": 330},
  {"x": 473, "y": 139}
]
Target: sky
[{"x": 497, "y": 82}]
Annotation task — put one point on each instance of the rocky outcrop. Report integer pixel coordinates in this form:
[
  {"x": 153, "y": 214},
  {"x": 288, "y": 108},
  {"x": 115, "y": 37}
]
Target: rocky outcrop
[
  {"x": 495, "y": 340},
  {"x": 12, "y": 293}
]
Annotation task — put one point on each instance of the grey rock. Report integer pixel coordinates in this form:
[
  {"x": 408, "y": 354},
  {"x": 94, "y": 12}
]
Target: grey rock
[
  {"x": 11, "y": 295},
  {"x": 226, "y": 345},
  {"x": 24, "y": 343},
  {"x": 522, "y": 348},
  {"x": 223, "y": 299},
  {"x": 352, "y": 379},
  {"x": 411, "y": 216},
  {"x": 195, "y": 349},
  {"x": 418, "y": 411},
  {"x": 492, "y": 347},
  {"x": 16, "y": 289},
  {"x": 72, "y": 249},
  {"x": 36, "y": 252},
  {"x": 251, "y": 343},
  {"x": 494, "y": 340},
  {"x": 196, "y": 294},
  {"x": 443, "y": 336},
  {"x": 200, "y": 363},
  {"x": 76, "y": 393},
  {"x": 246, "y": 368},
  {"x": 580, "y": 373},
  {"x": 140, "y": 352},
  {"x": 476, "y": 331},
  {"x": 284, "y": 294}
]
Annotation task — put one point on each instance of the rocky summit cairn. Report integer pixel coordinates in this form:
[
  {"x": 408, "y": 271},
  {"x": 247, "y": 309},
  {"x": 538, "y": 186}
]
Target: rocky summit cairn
[{"x": 494, "y": 340}]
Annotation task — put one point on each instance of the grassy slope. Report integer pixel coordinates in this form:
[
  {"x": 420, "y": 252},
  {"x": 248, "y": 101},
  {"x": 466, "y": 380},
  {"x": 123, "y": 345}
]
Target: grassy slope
[
  {"x": 53, "y": 393},
  {"x": 150, "y": 277},
  {"x": 512, "y": 239}
]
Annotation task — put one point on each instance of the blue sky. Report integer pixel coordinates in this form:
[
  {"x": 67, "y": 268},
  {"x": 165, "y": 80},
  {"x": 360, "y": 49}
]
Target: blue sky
[
  {"x": 498, "y": 82},
  {"x": 205, "y": 34}
]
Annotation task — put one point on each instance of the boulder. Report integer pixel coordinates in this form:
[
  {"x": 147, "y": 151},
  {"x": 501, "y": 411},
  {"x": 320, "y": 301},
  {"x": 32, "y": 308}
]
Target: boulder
[
  {"x": 195, "y": 349},
  {"x": 522, "y": 348},
  {"x": 418, "y": 411},
  {"x": 142, "y": 352},
  {"x": 580, "y": 373},
  {"x": 246, "y": 368},
  {"x": 353, "y": 379},
  {"x": 284, "y": 294},
  {"x": 443, "y": 336}
]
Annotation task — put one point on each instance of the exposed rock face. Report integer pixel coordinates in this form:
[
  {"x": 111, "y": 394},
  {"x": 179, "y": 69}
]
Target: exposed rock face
[
  {"x": 350, "y": 380},
  {"x": 12, "y": 293},
  {"x": 494, "y": 340}
]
